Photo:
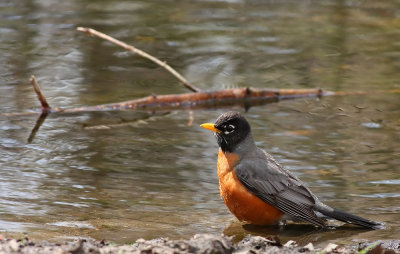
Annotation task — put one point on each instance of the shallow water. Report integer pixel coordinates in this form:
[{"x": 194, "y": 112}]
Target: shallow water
[{"x": 127, "y": 175}]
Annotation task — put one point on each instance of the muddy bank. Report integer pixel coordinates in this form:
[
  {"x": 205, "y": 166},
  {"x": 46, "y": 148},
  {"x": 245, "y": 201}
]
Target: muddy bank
[{"x": 202, "y": 243}]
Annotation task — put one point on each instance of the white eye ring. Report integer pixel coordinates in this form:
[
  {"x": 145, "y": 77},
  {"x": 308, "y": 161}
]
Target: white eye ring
[{"x": 229, "y": 129}]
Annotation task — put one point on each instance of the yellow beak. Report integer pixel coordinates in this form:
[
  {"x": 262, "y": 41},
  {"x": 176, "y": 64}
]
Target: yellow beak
[{"x": 210, "y": 126}]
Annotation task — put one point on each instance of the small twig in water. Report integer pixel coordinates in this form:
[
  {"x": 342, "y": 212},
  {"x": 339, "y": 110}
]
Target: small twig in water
[
  {"x": 141, "y": 53},
  {"x": 41, "y": 97}
]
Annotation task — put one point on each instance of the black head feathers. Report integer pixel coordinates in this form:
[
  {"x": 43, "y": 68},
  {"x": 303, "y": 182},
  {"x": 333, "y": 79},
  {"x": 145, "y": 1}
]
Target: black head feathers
[{"x": 234, "y": 128}]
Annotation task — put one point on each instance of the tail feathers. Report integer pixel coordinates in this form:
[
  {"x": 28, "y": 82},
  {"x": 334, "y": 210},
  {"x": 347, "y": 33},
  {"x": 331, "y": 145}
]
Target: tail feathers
[{"x": 351, "y": 218}]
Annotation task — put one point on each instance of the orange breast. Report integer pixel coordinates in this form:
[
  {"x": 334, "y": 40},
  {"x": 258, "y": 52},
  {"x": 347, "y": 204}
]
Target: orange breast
[{"x": 241, "y": 202}]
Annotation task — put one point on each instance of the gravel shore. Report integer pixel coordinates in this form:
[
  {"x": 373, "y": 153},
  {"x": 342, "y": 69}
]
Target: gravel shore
[{"x": 201, "y": 243}]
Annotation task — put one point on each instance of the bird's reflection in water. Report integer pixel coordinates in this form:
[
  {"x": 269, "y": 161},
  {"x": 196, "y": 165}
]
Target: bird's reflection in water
[{"x": 301, "y": 233}]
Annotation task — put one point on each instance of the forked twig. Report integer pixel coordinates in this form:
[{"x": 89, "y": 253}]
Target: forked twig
[{"x": 141, "y": 53}]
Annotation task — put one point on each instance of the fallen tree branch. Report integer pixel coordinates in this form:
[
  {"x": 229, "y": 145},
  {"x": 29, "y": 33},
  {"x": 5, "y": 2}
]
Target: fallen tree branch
[
  {"x": 141, "y": 53},
  {"x": 245, "y": 97}
]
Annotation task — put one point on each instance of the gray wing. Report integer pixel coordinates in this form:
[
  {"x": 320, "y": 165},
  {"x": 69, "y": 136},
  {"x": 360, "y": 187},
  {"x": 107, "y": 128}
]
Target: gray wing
[{"x": 272, "y": 183}]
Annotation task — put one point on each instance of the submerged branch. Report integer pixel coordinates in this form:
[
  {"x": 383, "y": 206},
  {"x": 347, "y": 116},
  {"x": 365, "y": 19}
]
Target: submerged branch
[
  {"x": 141, "y": 53},
  {"x": 141, "y": 121}
]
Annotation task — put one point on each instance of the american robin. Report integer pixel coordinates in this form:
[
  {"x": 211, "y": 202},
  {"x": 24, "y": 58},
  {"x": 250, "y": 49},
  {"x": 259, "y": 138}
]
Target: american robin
[{"x": 257, "y": 189}]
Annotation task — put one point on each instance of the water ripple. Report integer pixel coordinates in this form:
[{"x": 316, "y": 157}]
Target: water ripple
[
  {"x": 390, "y": 181},
  {"x": 379, "y": 195}
]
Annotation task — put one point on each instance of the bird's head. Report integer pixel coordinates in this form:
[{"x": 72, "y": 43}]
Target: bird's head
[{"x": 230, "y": 130}]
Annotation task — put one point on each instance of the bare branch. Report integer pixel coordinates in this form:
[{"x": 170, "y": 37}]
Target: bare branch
[
  {"x": 141, "y": 53},
  {"x": 245, "y": 97}
]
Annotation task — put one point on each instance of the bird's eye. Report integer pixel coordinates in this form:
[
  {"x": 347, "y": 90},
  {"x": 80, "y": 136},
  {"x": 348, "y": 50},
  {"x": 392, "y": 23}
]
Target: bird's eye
[{"x": 228, "y": 129}]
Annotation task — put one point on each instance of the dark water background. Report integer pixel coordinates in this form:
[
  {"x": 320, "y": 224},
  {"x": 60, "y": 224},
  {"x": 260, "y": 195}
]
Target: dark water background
[{"x": 127, "y": 175}]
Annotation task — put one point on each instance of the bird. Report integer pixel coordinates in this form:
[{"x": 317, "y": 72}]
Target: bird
[{"x": 258, "y": 190}]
